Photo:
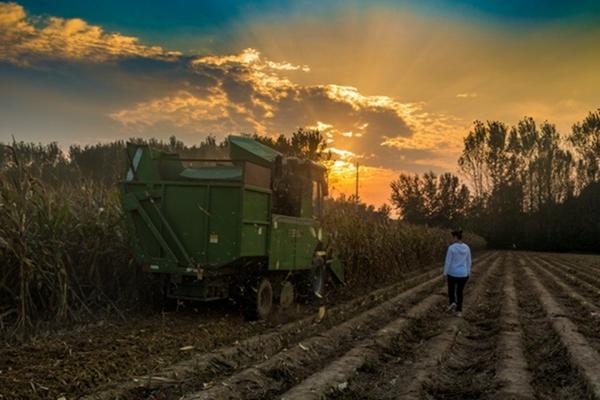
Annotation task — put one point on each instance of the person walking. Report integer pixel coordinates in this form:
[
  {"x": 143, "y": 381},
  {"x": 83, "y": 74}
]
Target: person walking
[{"x": 457, "y": 269}]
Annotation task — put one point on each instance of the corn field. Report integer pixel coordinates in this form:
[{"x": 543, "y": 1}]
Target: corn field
[
  {"x": 375, "y": 248},
  {"x": 63, "y": 249},
  {"x": 65, "y": 253}
]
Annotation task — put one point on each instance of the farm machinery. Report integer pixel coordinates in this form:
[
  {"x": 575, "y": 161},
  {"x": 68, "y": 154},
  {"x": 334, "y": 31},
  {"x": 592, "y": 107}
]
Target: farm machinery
[{"x": 246, "y": 228}]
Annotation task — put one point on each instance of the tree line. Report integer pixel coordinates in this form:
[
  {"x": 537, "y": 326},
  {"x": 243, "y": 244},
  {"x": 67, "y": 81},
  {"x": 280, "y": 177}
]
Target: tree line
[
  {"x": 105, "y": 163},
  {"x": 525, "y": 186}
]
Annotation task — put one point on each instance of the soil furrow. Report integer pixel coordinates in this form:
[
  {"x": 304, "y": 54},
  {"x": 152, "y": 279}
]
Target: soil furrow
[
  {"x": 579, "y": 272},
  {"x": 512, "y": 372},
  {"x": 267, "y": 378},
  {"x": 402, "y": 367},
  {"x": 467, "y": 369},
  {"x": 583, "y": 357},
  {"x": 204, "y": 367},
  {"x": 531, "y": 330},
  {"x": 553, "y": 376},
  {"x": 337, "y": 373},
  {"x": 589, "y": 262},
  {"x": 550, "y": 277},
  {"x": 564, "y": 274},
  {"x": 272, "y": 377},
  {"x": 585, "y": 315}
]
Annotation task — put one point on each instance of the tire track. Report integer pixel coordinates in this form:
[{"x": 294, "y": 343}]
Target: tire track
[
  {"x": 271, "y": 377},
  {"x": 337, "y": 373},
  {"x": 205, "y": 367}
]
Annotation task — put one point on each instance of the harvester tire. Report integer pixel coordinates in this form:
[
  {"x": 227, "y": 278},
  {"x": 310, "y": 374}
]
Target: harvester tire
[
  {"x": 260, "y": 302},
  {"x": 287, "y": 294}
]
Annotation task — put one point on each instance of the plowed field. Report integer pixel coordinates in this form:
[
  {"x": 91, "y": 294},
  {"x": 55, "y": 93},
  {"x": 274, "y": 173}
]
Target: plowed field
[{"x": 530, "y": 330}]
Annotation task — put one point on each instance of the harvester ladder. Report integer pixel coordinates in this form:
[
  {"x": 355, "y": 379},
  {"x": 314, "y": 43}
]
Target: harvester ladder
[{"x": 155, "y": 231}]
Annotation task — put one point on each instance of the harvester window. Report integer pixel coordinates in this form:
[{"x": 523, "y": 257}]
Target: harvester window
[
  {"x": 257, "y": 175},
  {"x": 287, "y": 196}
]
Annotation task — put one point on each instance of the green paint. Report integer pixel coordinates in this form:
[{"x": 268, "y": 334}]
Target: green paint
[{"x": 186, "y": 215}]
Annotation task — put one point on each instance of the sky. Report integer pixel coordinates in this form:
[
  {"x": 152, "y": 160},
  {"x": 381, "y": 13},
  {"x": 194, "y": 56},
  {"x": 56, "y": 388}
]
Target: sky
[{"x": 394, "y": 85}]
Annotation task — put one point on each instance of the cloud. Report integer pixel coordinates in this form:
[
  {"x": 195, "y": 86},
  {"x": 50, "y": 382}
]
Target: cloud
[
  {"x": 27, "y": 40},
  {"x": 181, "y": 110},
  {"x": 429, "y": 133},
  {"x": 249, "y": 57},
  {"x": 247, "y": 93},
  {"x": 468, "y": 95},
  {"x": 242, "y": 93},
  {"x": 164, "y": 92}
]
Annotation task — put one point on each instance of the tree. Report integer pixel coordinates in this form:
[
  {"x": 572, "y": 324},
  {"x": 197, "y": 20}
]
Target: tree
[
  {"x": 472, "y": 162},
  {"x": 431, "y": 199},
  {"x": 453, "y": 200},
  {"x": 585, "y": 138},
  {"x": 551, "y": 168},
  {"x": 407, "y": 198},
  {"x": 496, "y": 154},
  {"x": 523, "y": 141},
  {"x": 309, "y": 144},
  {"x": 516, "y": 171}
]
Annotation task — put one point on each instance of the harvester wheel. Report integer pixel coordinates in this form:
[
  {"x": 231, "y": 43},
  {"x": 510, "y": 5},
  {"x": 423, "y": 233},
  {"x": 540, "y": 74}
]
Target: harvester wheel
[
  {"x": 260, "y": 302},
  {"x": 286, "y": 297}
]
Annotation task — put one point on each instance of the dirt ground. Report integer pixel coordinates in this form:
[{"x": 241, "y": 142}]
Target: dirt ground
[{"x": 530, "y": 330}]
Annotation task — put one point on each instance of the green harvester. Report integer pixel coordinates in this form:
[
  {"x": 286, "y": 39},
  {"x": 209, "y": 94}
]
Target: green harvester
[{"x": 246, "y": 228}]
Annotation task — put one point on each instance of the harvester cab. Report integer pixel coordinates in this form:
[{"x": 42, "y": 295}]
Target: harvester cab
[{"x": 246, "y": 227}]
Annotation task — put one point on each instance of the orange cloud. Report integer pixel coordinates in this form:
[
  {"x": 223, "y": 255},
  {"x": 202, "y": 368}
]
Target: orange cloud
[
  {"x": 468, "y": 95},
  {"x": 183, "y": 109},
  {"x": 249, "y": 57},
  {"x": 245, "y": 93},
  {"x": 23, "y": 42}
]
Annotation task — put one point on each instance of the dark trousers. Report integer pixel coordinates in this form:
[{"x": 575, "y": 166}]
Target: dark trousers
[{"x": 456, "y": 287}]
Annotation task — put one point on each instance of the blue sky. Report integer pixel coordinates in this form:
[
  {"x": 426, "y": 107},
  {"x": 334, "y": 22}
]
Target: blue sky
[
  {"x": 153, "y": 14},
  {"x": 166, "y": 22},
  {"x": 394, "y": 84}
]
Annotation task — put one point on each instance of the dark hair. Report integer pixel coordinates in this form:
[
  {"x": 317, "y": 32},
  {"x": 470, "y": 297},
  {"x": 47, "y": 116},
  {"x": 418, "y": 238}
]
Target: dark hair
[{"x": 457, "y": 233}]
